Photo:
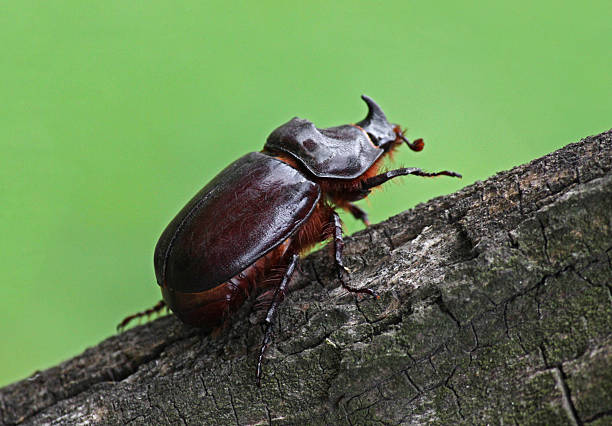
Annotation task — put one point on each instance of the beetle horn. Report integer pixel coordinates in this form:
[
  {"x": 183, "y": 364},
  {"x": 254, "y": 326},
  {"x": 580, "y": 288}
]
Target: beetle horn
[
  {"x": 375, "y": 114},
  {"x": 376, "y": 124}
]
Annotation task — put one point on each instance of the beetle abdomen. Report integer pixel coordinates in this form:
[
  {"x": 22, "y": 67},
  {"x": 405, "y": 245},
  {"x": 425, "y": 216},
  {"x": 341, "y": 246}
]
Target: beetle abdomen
[
  {"x": 210, "y": 308},
  {"x": 247, "y": 210}
]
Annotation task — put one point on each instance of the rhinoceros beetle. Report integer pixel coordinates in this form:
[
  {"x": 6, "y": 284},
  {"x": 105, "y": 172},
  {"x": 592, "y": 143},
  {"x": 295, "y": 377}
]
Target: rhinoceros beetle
[{"x": 267, "y": 208}]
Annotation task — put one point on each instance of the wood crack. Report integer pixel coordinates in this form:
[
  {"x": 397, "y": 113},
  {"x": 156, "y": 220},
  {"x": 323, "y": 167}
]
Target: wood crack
[{"x": 568, "y": 404}]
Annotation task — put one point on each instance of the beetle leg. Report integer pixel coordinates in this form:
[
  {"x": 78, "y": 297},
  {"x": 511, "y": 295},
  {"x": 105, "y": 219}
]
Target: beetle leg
[
  {"x": 146, "y": 313},
  {"x": 358, "y": 213},
  {"x": 276, "y": 299},
  {"x": 342, "y": 270},
  {"x": 377, "y": 180}
]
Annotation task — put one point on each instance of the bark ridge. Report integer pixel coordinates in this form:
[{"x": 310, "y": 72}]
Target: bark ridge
[{"x": 496, "y": 306}]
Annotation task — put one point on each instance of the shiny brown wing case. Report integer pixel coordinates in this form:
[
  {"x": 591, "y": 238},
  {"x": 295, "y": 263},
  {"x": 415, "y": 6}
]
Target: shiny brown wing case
[{"x": 248, "y": 209}]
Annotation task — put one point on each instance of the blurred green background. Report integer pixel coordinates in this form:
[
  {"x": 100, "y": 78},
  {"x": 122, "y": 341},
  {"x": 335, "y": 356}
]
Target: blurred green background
[{"x": 113, "y": 114}]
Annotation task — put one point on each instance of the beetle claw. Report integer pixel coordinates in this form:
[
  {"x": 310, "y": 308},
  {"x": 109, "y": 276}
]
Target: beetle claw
[
  {"x": 363, "y": 290},
  {"x": 352, "y": 289},
  {"x": 344, "y": 275}
]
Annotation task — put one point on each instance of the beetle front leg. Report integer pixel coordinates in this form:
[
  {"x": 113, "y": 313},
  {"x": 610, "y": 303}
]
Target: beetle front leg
[
  {"x": 276, "y": 300},
  {"x": 342, "y": 270},
  {"x": 377, "y": 180}
]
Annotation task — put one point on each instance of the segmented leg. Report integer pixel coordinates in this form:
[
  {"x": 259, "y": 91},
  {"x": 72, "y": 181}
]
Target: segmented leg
[
  {"x": 377, "y": 180},
  {"x": 146, "y": 313},
  {"x": 358, "y": 213},
  {"x": 276, "y": 299},
  {"x": 338, "y": 247}
]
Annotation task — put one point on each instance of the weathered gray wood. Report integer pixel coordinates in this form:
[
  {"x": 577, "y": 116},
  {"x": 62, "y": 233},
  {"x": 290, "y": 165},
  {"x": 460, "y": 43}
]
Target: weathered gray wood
[{"x": 496, "y": 306}]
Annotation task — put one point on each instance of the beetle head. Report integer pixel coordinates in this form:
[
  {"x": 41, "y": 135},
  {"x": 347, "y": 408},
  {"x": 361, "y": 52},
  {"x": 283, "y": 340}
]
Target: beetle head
[{"x": 380, "y": 131}]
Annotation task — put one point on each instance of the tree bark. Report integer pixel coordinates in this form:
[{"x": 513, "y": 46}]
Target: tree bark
[{"x": 495, "y": 307}]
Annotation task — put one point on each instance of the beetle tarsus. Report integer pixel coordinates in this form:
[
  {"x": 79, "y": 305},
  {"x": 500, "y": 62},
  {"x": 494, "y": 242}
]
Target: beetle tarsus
[
  {"x": 262, "y": 351},
  {"x": 146, "y": 313},
  {"x": 278, "y": 297},
  {"x": 377, "y": 180},
  {"x": 343, "y": 270},
  {"x": 364, "y": 290}
]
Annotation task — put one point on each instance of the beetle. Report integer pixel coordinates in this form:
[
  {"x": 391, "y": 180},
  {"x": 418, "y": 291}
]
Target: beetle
[{"x": 267, "y": 208}]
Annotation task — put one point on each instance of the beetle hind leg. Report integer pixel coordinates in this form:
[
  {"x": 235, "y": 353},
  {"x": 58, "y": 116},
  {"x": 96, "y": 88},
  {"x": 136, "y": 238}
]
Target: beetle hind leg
[
  {"x": 277, "y": 298},
  {"x": 342, "y": 270},
  {"x": 146, "y": 313}
]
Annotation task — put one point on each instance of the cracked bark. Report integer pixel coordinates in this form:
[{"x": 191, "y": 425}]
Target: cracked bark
[{"x": 496, "y": 307}]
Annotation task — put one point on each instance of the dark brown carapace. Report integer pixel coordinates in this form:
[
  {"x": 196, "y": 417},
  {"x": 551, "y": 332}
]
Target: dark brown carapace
[{"x": 244, "y": 232}]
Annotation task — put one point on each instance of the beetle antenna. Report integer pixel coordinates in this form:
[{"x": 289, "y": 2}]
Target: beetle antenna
[{"x": 417, "y": 145}]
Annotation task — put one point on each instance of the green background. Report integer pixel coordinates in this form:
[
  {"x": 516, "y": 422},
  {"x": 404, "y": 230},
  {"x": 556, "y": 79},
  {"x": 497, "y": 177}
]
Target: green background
[{"x": 114, "y": 113}]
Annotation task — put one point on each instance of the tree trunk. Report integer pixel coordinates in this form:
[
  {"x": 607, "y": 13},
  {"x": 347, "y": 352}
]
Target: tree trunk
[{"x": 495, "y": 307}]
